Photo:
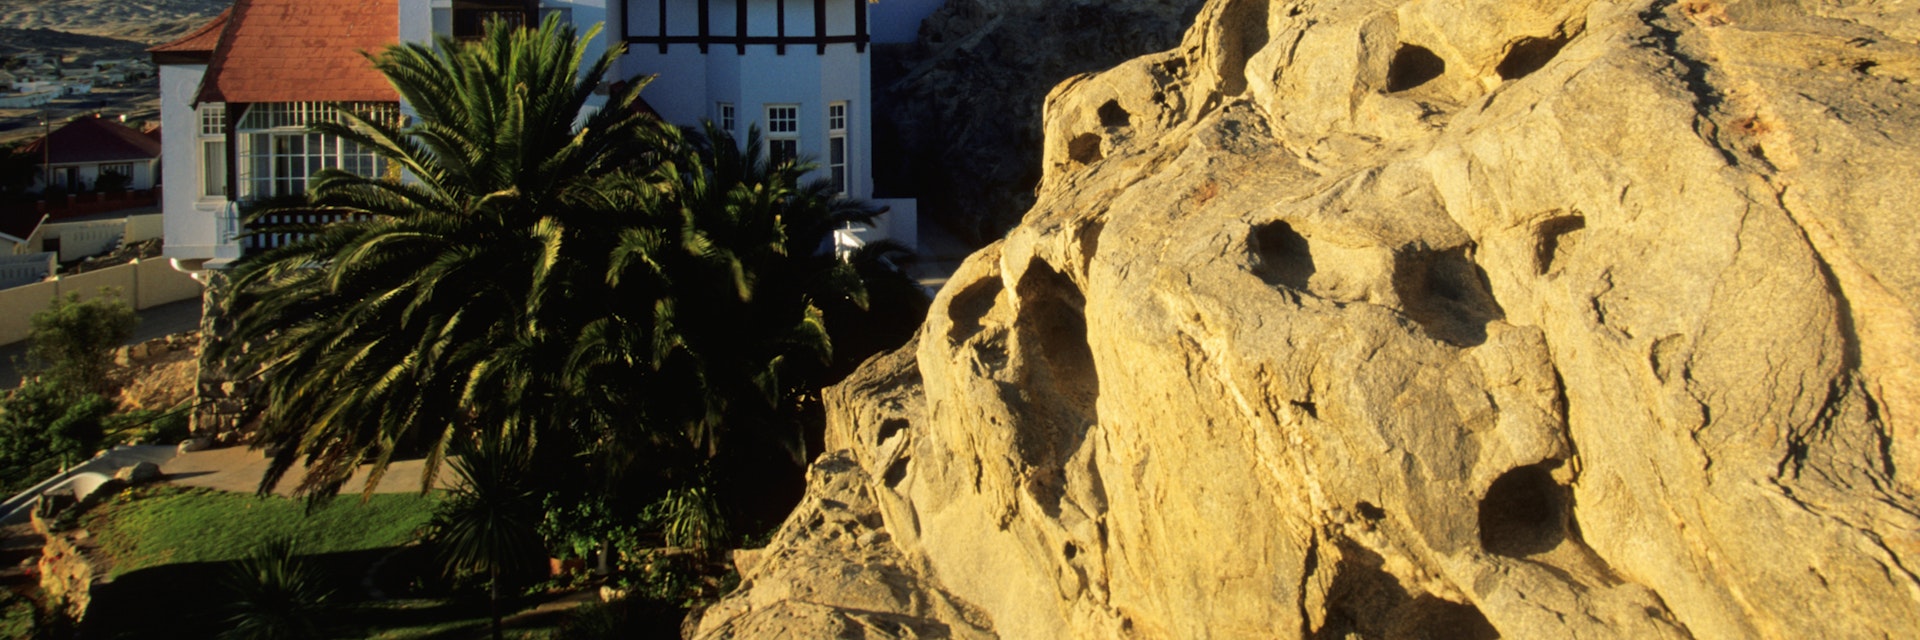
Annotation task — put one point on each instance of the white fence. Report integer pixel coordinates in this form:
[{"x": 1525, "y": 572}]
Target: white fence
[
  {"x": 142, "y": 284},
  {"x": 28, "y": 268}
]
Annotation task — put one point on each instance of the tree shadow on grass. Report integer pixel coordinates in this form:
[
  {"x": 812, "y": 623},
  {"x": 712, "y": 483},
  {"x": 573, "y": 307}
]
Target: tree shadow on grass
[{"x": 191, "y": 600}]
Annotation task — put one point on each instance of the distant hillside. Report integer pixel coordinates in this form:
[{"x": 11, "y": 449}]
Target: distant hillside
[{"x": 148, "y": 21}]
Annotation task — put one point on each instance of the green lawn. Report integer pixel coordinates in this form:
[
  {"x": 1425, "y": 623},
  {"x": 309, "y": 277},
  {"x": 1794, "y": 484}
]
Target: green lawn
[
  {"x": 171, "y": 548},
  {"x": 161, "y": 525}
]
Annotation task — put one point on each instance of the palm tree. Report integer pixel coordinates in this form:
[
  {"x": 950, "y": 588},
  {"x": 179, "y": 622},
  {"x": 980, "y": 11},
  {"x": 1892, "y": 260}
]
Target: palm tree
[
  {"x": 736, "y": 330},
  {"x": 275, "y": 595},
  {"x": 490, "y": 525},
  {"x": 436, "y": 303}
]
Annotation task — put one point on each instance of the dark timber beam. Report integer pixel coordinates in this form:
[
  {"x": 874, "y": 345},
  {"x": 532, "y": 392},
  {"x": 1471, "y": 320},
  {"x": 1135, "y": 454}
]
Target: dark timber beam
[
  {"x": 740, "y": 26},
  {"x": 780, "y": 16},
  {"x": 233, "y": 112},
  {"x": 663, "y": 25},
  {"x": 860, "y": 25},
  {"x": 820, "y": 23},
  {"x": 706, "y": 13}
]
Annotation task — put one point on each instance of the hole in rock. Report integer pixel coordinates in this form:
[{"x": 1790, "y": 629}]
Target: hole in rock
[
  {"x": 890, "y": 428},
  {"x": 1281, "y": 256},
  {"x": 1528, "y": 55},
  {"x": 1369, "y": 511},
  {"x": 1367, "y": 602},
  {"x": 1070, "y": 551},
  {"x": 1446, "y": 294},
  {"x": 970, "y": 306},
  {"x": 1313, "y": 411},
  {"x": 1058, "y": 376},
  {"x": 1412, "y": 66},
  {"x": 1556, "y": 236},
  {"x": 1113, "y": 115},
  {"x": 896, "y": 472},
  {"x": 1085, "y": 148},
  {"x": 1523, "y": 513},
  {"x": 1242, "y": 32}
]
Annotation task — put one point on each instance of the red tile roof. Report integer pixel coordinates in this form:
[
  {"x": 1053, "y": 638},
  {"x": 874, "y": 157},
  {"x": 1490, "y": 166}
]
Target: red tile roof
[
  {"x": 94, "y": 140},
  {"x": 202, "y": 40},
  {"x": 301, "y": 51}
]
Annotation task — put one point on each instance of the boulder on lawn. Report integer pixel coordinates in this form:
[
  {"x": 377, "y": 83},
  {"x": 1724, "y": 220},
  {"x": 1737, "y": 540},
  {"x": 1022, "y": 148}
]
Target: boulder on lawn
[{"x": 139, "y": 473}]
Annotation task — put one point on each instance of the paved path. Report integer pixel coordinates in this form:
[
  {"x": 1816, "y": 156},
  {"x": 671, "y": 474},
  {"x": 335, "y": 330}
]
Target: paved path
[{"x": 239, "y": 469}]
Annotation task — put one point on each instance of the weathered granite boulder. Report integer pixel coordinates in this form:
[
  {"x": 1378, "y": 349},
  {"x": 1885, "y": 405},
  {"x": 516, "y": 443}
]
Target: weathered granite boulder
[
  {"x": 138, "y": 473},
  {"x": 1454, "y": 318}
]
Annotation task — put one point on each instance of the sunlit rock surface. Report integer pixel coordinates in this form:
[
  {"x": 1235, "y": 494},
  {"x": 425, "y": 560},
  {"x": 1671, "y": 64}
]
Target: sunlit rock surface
[{"x": 1454, "y": 319}]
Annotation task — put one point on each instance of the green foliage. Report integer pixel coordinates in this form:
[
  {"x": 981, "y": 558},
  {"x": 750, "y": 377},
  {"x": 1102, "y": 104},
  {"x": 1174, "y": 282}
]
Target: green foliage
[
  {"x": 18, "y": 172},
  {"x": 274, "y": 594},
  {"x": 436, "y": 307},
  {"x": 44, "y": 427},
  {"x": 575, "y": 527},
  {"x": 72, "y": 341},
  {"x": 489, "y": 524},
  {"x": 150, "y": 426},
  {"x": 689, "y": 518}
]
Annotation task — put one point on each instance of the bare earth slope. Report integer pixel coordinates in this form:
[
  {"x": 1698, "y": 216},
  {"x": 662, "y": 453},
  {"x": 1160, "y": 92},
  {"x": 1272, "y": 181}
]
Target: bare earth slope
[
  {"x": 1441, "y": 318},
  {"x": 139, "y": 20}
]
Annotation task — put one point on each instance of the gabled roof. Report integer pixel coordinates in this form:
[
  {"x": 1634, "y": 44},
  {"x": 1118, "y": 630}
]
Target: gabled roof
[
  {"x": 198, "y": 44},
  {"x": 94, "y": 140},
  {"x": 302, "y": 50}
]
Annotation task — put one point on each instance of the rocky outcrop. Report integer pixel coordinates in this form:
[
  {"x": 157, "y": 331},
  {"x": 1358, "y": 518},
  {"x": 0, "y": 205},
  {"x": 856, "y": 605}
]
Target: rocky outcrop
[
  {"x": 1455, "y": 318},
  {"x": 960, "y": 110}
]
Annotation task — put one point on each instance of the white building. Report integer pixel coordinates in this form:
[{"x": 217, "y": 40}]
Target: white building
[{"x": 237, "y": 94}]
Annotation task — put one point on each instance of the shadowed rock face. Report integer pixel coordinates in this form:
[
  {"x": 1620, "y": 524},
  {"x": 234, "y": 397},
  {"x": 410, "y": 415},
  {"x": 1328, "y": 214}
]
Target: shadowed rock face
[{"x": 1464, "y": 319}]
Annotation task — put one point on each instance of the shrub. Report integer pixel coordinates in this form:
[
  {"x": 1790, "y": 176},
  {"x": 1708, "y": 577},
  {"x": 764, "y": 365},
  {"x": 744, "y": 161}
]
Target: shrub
[
  {"x": 71, "y": 342},
  {"x": 275, "y": 595}
]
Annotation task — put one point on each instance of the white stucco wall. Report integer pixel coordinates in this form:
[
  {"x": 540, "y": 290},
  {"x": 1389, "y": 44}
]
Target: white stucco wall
[
  {"x": 898, "y": 21},
  {"x": 689, "y": 83},
  {"x": 190, "y": 221}
]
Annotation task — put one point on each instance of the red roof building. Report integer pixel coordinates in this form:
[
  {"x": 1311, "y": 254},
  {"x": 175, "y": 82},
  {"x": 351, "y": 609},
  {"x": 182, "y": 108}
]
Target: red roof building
[
  {"x": 299, "y": 51},
  {"x": 78, "y": 153},
  {"x": 238, "y": 95}
]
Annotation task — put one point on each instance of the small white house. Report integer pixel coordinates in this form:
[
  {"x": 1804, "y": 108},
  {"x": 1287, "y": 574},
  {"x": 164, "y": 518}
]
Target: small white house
[{"x": 80, "y": 152}]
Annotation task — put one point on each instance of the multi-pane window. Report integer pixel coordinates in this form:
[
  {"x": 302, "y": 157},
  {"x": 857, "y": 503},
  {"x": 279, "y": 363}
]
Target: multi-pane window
[
  {"x": 783, "y": 119},
  {"x": 213, "y": 150},
  {"x": 724, "y": 111},
  {"x": 213, "y": 119},
  {"x": 837, "y": 146},
  {"x": 278, "y": 155},
  {"x": 783, "y": 133},
  {"x": 469, "y": 18}
]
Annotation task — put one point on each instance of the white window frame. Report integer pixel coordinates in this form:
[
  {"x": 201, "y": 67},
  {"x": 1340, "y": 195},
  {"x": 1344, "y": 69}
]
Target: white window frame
[
  {"x": 278, "y": 155},
  {"x": 783, "y": 132},
  {"x": 838, "y": 152},
  {"x": 211, "y": 144},
  {"x": 725, "y": 114}
]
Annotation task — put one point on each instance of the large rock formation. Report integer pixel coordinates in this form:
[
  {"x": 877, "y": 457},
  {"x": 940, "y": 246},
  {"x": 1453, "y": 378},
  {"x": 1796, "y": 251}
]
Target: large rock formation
[
  {"x": 1433, "y": 318},
  {"x": 960, "y": 110}
]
